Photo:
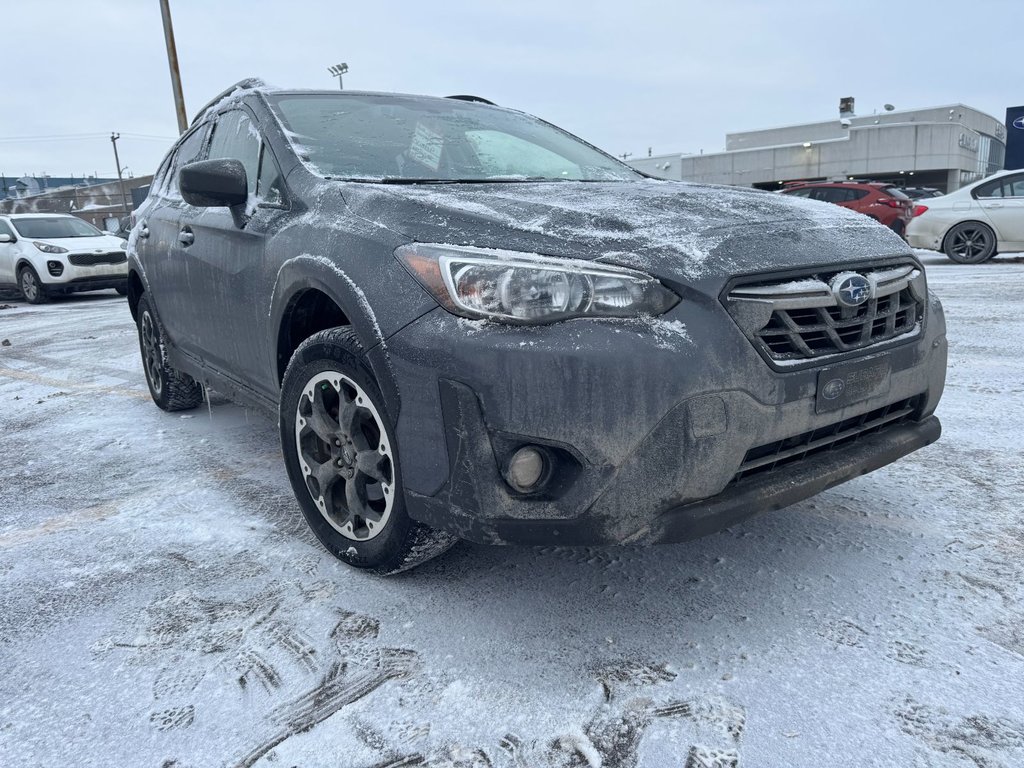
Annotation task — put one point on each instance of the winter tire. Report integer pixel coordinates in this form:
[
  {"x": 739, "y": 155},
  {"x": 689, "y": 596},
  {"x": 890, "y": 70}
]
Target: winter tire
[
  {"x": 171, "y": 389},
  {"x": 970, "y": 242},
  {"x": 342, "y": 460},
  {"x": 31, "y": 288}
]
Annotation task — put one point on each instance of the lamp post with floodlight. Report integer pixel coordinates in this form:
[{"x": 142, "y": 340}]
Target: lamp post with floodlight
[{"x": 337, "y": 71}]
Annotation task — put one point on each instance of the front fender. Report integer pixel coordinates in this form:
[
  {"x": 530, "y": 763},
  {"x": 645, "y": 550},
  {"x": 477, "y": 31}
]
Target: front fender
[{"x": 311, "y": 271}]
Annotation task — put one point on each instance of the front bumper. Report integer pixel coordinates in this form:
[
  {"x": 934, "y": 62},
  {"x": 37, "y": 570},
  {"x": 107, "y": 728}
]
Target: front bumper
[
  {"x": 649, "y": 424},
  {"x": 81, "y": 278}
]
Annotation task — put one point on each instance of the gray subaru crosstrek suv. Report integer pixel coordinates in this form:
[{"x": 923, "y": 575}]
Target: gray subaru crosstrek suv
[{"x": 473, "y": 325}]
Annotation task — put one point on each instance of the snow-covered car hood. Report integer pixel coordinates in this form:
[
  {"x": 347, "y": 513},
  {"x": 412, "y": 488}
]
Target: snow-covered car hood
[
  {"x": 674, "y": 230},
  {"x": 102, "y": 243}
]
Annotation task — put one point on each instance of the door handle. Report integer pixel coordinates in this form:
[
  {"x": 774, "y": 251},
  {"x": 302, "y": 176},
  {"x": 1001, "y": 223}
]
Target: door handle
[
  {"x": 993, "y": 205},
  {"x": 143, "y": 231},
  {"x": 185, "y": 237}
]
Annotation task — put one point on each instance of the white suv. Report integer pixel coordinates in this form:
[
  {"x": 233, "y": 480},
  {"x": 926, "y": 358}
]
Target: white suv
[{"x": 47, "y": 253}]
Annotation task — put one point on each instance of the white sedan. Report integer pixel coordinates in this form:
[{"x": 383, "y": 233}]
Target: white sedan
[{"x": 974, "y": 223}]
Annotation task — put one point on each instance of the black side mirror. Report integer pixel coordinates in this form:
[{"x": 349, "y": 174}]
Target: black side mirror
[{"x": 214, "y": 183}]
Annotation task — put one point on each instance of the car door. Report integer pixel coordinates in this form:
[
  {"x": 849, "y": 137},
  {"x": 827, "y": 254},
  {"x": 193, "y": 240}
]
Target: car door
[
  {"x": 224, "y": 254},
  {"x": 1002, "y": 200},
  {"x": 7, "y": 255},
  {"x": 160, "y": 250}
]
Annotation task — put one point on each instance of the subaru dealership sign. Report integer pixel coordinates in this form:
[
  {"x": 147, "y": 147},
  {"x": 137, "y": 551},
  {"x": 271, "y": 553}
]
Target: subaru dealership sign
[{"x": 1014, "y": 138}]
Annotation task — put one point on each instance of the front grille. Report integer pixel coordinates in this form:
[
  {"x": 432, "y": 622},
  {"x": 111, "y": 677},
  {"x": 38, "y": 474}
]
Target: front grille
[
  {"x": 771, "y": 456},
  {"x": 800, "y": 320},
  {"x": 91, "y": 259}
]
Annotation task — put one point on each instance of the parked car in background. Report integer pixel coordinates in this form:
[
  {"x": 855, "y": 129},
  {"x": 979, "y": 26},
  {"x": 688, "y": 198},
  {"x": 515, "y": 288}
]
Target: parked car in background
[
  {"x": 124, "y": 228},
  {"x": 471, "y": 324},
  {"x": 43, "y": 254},
  {"x": 974, "y": 223},
  {"x": 884, "y": 203},
  {"x": 917, "y": 193}
]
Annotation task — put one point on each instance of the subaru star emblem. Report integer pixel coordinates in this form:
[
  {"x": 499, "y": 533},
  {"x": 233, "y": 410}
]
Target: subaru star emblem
[
  {"x": 1019, "y": 123},
  {"x": 833, "y": 389},
  {"x": 851, "y": 289}
]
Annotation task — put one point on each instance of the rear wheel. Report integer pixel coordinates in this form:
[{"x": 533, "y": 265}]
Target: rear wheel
[
  {"x": 340, "y": 453},
  {"x": 970, "y": 242},
  {"x": 31, "y": 288},
  {"x": 170, "y": 389}
]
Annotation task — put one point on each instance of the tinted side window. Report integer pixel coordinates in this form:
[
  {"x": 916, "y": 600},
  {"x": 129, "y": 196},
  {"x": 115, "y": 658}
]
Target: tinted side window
[
  {"x": 856, "y": 194},
  {"x": 235, "y": 137},
  {"x": 1013, "y": 186},
  {"x": 829, "y": 194},
  {"x": 800, "y": 192},
  {"x": 992, "y": 189},
  {"x": 188, "y": 151}
]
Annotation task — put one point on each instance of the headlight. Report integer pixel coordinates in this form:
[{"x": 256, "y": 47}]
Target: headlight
[
  {"x": 516, "y": 287},
  {"x": 47, "y": 248}
]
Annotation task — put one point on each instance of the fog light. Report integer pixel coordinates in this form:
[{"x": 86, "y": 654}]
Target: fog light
[
  {"x": 55, "y": 268},
  {"x": 526, "y": 469}
]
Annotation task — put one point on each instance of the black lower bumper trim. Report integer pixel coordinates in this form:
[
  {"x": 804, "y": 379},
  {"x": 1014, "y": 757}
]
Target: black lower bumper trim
[
  {"x": 87, "y": 284},
  {"x": 760, "y": 493}
]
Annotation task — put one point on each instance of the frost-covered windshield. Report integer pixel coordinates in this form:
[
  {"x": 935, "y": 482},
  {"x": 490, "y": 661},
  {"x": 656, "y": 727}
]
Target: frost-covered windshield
[
  {"x": 58, "y": 226},
  {"x": 409, "y": 139}
]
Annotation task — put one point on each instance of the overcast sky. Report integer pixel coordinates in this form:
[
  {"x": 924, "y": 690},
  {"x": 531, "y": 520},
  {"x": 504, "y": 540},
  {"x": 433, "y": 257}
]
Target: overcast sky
[{"x": 675, "y": 76}]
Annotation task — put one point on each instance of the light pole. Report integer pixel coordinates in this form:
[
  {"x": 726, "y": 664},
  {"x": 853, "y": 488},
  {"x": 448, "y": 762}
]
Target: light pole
[
  {"x": 337, "y": 71},
  {"x": 172, "y": 62},
  {"x": 120, "y": 179}
]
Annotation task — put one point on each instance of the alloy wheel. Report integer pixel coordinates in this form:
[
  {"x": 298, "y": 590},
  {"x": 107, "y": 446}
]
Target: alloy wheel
[
  {"x": 970, "y": 243},
  {"x": 152, "y": 359},
  {"x": 29, "y": 286},
  {"x": 345, "y": 455}
]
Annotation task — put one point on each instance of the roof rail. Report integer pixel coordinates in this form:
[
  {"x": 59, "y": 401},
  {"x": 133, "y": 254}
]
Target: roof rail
[
  {"x": 467, "y": 97},
  {"x": 242, "y": 85}
]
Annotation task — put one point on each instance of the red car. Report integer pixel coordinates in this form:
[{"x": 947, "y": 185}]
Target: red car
[{"x": 884, "y": 203}]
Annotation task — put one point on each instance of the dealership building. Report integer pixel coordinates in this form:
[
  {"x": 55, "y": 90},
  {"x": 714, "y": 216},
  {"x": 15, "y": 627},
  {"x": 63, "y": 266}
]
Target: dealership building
[{"x": 941, "y": 147}]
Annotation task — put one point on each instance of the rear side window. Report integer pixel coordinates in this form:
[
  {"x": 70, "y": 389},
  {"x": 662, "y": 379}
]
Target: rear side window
[
  {"x": 831, "y": 194},
  {"x": 1007, "y": 186},
  {"x": 855, "y": 194},
  {"x": 806, "y": 192},
  {"x": 992, "y": 189},
  {"x": 236, "y": 138}
]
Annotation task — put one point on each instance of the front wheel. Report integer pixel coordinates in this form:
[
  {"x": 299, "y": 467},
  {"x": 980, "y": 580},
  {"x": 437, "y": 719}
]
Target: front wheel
[
  {"x": 170, "y": 389},
  {"x": 340, "y": 452},
  {"x": 970, "y": 242},
  {"x": 31, "y": 288}
]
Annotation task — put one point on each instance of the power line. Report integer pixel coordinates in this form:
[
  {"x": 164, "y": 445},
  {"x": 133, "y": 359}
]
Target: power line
[{"x": 84, "y": 137}]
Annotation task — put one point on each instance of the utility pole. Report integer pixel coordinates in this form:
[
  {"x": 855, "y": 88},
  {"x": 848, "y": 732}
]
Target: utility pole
[
  {"x": 172, "y": 61},
  {"x": 117, "y": 161}
]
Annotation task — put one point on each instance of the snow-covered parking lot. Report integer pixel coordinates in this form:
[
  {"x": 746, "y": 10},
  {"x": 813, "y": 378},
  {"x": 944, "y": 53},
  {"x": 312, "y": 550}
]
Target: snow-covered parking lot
[{"x": 163, "y": 603}]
